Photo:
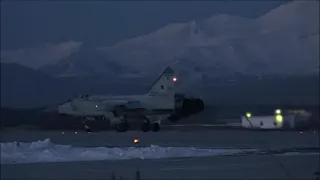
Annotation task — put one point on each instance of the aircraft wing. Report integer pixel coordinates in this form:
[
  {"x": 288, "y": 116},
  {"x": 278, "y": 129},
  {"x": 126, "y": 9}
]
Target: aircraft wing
[{"x": 124, "y": 103}]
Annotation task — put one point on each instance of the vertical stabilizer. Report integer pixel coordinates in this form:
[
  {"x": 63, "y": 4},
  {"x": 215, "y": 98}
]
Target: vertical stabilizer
[{"x": 164, "y": 85}]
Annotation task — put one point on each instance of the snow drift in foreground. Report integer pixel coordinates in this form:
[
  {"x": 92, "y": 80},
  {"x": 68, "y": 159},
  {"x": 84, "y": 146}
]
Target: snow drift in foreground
[{"x": 46, "y": 151}]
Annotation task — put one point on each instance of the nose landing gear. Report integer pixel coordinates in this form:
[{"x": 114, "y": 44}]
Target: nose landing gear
[{"x": 147, "y": 126}]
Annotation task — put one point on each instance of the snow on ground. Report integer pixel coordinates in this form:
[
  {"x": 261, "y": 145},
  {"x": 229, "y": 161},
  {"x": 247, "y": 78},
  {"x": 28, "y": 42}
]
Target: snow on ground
[{"x": 46, "y": 151}]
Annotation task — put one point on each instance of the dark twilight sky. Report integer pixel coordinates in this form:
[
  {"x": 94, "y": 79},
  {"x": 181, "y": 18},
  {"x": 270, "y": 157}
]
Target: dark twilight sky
[{"x": 98, "y": 23}]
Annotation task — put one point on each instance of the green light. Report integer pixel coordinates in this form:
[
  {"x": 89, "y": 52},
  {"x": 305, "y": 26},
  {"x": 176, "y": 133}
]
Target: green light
[
  {"x": 279, "y": 118},
  {"x": 248, "y": 115}
]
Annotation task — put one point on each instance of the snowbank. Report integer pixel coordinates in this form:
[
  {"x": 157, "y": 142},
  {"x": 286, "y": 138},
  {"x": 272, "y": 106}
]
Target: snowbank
[{"x": 46, "y": 151}]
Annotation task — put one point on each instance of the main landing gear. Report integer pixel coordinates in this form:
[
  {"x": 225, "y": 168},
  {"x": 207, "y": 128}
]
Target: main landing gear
[
  {"x": 147, "y": 126},
  {"x": 123, "y": 126}
]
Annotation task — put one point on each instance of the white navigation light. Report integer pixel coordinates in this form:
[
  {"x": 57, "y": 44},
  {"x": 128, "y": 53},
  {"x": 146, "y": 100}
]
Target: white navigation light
[
  {"x": 96, "y": 106},
  {"x": 279, "y": 118},
  {"x": 248, "y": 115},
  {"x": 277, "y": 111},
  {"x": 174, "y": 79}
]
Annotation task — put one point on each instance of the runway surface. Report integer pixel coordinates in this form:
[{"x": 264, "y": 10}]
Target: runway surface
[
  {"x": 178, "y": 136},
  {"x": 280, "y": 155},
  {"x": 242, "y": 167}
]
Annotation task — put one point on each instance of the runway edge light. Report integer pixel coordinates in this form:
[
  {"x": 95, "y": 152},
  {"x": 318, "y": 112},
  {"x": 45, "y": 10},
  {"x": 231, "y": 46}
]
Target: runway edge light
[{"x": 135, "y": 140}]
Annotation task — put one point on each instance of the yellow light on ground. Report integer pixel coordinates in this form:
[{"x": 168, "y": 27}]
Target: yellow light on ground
[
  {"x": 279, "y": 118},
  {"x": 136, "y": 140},
  {"x": 278, "y": 111},
  {"x": 248, "y": 115}
]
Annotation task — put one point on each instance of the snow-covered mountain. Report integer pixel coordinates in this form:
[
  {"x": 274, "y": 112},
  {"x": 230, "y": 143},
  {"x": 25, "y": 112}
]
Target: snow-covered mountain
[
  {"x": 204, "y": 53},
  {"x": 86, "y": 61},
  {"x": 40, "y": 56},
  {"x": 284, "y": 41}
]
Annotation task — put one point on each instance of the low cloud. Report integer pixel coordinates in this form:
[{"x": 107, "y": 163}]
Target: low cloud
[{"x": 40, "y": 56}]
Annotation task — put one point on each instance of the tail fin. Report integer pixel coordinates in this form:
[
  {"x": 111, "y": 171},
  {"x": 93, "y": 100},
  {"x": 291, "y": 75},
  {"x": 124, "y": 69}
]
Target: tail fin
[{"x": 164, "y": 84}]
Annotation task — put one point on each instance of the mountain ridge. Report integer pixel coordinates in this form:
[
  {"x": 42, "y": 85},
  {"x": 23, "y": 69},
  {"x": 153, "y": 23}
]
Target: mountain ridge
[
  {"x": 223, "y": 59},
  {"x": 284, "y": 41},
  {"x": 220, "y": 46}
]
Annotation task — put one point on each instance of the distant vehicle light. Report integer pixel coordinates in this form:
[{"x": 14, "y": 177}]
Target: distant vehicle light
[
  {"x": 62, "y": 132},
  {"x": 248, "y": 115},
  {"x": 96, "y": 106},
  {"x": 279, "y": 118},
  {"x": 277, "y": 111},
  {"x": 136, "y": 141},
  {"x": 76, "y": 132},
  {"x": 174, "y": 79}
]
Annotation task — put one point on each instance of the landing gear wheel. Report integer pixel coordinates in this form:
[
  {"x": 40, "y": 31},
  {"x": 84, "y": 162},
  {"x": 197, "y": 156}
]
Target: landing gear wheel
[
  {"x": 123, "y": 126},
  {"x": 145, "y": 125},
  {"x": 85, "y": 123},
  {"x": 155, "y": 127}
]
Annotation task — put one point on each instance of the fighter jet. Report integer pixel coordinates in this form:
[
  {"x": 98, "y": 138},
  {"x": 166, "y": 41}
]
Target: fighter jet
[{"x": 159, "y": 103}]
